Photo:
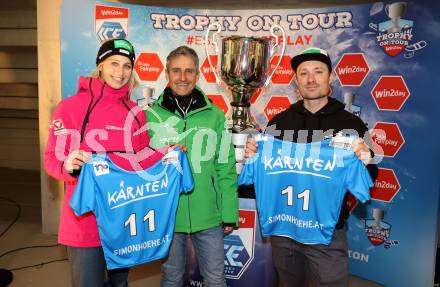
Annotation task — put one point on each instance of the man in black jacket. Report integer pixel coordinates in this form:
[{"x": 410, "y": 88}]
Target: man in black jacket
[{"x": 311, "y": 119}]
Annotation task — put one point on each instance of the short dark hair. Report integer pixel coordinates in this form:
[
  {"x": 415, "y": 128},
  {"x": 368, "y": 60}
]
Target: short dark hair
[{"x": 183, "y": 51}]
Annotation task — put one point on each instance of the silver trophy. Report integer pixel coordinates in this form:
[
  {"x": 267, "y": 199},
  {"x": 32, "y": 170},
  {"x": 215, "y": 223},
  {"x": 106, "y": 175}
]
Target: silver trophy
[
  {"x": 244, "y": 68},
  {"x": 143, "y": 96},
  {"x": 395, "y": 11},
  {"x": 378, "y": 216},
  {"x": 348, "y": 101}
]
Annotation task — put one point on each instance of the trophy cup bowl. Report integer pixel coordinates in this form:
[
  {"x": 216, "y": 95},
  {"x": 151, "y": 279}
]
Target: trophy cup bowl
[
  {"x": 245, "y": 62},
  {"x": 348, "y": 101},
  {"x": 395, "y": 11},
  {"x": 244, "y": 68}
]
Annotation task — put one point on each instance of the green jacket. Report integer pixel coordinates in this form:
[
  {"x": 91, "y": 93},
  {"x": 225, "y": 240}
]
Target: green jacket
[{"x": 214, "y": 199}]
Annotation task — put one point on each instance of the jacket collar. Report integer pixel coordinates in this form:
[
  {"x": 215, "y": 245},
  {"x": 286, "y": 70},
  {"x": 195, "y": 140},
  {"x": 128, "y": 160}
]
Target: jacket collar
[
  {"x": 199, "y": 100},
  {"x": 96, "y": 85}
]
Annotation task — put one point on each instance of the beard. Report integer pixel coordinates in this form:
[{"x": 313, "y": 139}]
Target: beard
[
  {"x": 317, "y": 97},
  {"x": 313, "y": 96}
]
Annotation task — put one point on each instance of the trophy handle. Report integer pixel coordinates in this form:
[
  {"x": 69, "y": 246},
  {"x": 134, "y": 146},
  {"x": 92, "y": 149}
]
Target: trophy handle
[
  {"x": 214, "y": 41},
  {"x": 273, "y": 49},
  {"x": 387, "y": 7}
]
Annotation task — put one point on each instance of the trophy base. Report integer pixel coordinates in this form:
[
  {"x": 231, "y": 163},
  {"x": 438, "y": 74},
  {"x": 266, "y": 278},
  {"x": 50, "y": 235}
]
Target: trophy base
[
  {"x": 242, "y": 127},
  {"x": 241, "y": 119},
  {"x": 239, "y": 139}
]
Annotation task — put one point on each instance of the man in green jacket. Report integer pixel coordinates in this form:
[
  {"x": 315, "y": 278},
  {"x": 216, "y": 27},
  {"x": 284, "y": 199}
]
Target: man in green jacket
[{"x": 183, "y": 114}]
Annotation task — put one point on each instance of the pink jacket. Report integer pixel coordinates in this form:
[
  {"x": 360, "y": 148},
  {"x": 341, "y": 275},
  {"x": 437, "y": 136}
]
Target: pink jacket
[{"x": 97, "y": 118}]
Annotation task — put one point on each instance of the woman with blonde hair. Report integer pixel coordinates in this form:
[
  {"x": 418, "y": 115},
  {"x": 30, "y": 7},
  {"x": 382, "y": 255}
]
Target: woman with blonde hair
[{"x": 99, "y": 118}]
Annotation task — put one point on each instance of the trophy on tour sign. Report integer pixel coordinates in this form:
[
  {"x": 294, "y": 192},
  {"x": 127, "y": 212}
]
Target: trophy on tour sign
[{"x": 244, "y": 68}]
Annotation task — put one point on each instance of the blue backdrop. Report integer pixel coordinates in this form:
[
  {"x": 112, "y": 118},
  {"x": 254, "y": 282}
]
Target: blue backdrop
[{"x": 384, "y": 53}]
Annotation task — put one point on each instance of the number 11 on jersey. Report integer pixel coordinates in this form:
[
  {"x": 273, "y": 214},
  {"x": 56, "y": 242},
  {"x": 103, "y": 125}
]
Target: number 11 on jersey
[
  {"x": 305, "y": 195},
  {"x": 131, "y": 222}
]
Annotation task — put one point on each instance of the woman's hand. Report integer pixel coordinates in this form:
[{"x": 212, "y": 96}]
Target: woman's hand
[{"x": 76, "y": 159}]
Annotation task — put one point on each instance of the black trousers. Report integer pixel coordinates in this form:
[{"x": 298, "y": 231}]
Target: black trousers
[{"x": 304, "y": 265}]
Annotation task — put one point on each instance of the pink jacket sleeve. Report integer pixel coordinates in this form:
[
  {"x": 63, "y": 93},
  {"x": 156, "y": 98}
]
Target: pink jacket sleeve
[{"x": 62, "y": 138}]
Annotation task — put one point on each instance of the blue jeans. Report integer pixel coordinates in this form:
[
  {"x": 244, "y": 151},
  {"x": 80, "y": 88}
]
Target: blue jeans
[
  {"x": 208, "y": 245},
  {"x": 88, "y": 269}
]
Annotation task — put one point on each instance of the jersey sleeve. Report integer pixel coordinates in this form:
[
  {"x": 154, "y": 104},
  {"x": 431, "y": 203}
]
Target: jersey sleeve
[
  {"x": 246, "y": 176},
  {"x": 358, "y": 180},
  {"x": 84, "y": 199},
  {"x": 187, "y": 182}
]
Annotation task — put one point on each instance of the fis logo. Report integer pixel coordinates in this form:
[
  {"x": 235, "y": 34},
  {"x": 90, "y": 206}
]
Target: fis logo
[
  {"x": 101, "y": 168},
  {"x": 395, "y": 35},
  {"x": 235, "y": 255},
  {"x": 377, "y": 231},
  {"x": 111, "y": 22},
  {"x": 239, "y": 246},
  {"x": 111, "y": 30}
]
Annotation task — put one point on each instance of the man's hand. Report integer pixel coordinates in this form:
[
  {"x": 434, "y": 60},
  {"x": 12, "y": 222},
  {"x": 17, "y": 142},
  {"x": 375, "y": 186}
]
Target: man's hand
[
  {"x": 362, "y": 150},
  {"x": 227, "y": 230},
  {"x": 251, "y": 148},
  {"x": 75, "y": 160}
]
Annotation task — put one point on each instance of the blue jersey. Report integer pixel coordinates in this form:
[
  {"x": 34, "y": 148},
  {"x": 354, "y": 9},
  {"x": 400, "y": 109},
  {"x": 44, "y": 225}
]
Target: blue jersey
[
  {"x": 135, "y": 211},
  {"x": 300, "y": 187}
]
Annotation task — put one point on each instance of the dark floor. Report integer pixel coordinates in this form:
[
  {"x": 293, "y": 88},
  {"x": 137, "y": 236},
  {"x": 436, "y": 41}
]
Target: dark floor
[{"x": 20, "y": 196}]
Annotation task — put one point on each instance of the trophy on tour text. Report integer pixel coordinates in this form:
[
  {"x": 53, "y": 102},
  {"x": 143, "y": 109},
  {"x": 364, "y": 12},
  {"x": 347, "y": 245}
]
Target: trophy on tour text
[{"x": 244, "y": 68}]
